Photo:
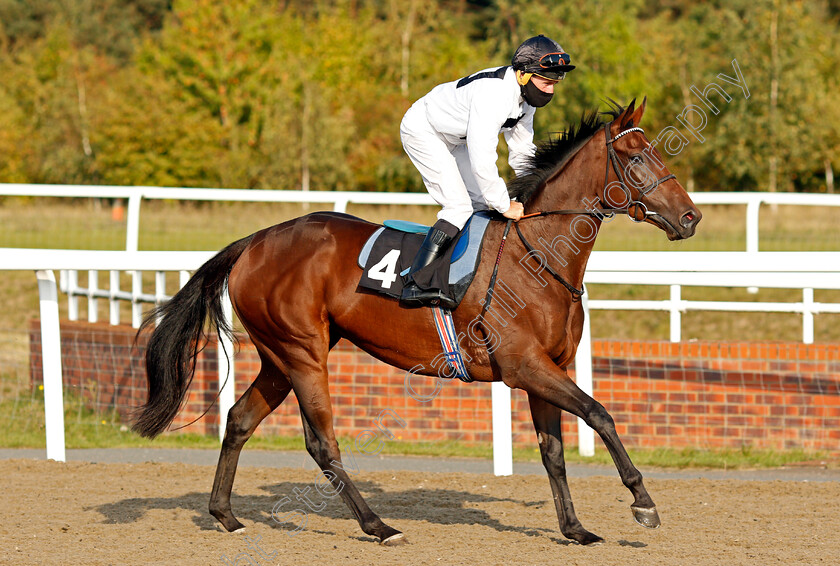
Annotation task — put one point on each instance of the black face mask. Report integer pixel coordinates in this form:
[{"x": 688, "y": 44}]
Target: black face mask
[{"x": 534, "y": 96}]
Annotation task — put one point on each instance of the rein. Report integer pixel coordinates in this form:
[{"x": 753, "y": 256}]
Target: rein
[
  {"x": 635, "y": 205},
  {"x": 576, "y": 293},
  {"x": 489, "y": 297}
]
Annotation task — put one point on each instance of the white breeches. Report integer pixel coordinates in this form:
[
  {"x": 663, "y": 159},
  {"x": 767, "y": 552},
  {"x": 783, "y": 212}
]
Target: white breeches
[{"x": 444, "y": 166}]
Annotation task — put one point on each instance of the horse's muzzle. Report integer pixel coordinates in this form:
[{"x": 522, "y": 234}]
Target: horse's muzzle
[
  {"x": 678, "y": 229},
  {"x": 688, "y": 223}
]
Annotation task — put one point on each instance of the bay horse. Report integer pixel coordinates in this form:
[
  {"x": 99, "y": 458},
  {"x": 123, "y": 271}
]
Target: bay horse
[{"x": 294, "y": 288}]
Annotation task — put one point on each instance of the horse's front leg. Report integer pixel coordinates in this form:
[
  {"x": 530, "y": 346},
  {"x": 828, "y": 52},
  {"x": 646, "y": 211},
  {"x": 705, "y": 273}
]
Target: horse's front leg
[
  {"x": 550, "y": 437},
  {"x": 537, "y": 374}
]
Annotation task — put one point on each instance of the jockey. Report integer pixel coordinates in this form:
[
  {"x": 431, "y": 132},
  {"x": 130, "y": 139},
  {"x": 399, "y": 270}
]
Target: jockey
[{"x": 451, "y": 136}]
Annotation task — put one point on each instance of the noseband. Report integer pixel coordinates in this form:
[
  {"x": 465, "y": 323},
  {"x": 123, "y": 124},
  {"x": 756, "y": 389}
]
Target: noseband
[
  {"x": 634, "y": 205},
  {"x": 612, "y": 159}
]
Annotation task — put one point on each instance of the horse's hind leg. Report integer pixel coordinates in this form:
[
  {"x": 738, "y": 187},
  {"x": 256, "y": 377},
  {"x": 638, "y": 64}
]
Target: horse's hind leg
[
  {"x": 550, "y": 436},
  {"x": 263, "y": 396},
  {"x": 316, "y": 414}
]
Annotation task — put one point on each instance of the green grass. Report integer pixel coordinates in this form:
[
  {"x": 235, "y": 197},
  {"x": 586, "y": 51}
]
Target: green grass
[
  {"x": 686, "y": 458},
  {"x": 85, "y": 224},
  {"x": 22, "y": 426}
]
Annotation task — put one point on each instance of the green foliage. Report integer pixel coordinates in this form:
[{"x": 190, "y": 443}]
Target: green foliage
[
  {"x": 23, "y": 21},
  {"x": 293, "y": 94},
  {"x": 110, "y": 26},
  {"x": 774, "y": 43}
]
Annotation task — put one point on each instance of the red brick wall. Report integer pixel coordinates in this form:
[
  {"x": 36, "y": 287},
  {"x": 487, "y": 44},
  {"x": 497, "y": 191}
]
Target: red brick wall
[
  {"x": 699, "y": 394},
  {"x": 732, "y": 394}
]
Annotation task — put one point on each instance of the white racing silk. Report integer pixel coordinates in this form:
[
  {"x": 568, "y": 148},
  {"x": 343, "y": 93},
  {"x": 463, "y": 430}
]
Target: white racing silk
[{"x": 452, "y": 135}]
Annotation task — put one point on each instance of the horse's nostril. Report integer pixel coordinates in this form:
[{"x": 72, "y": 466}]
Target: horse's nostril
[{"x": 687, "y": 219}]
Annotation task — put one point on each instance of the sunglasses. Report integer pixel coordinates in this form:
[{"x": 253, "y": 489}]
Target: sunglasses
[{"x": 554, "y": 59}]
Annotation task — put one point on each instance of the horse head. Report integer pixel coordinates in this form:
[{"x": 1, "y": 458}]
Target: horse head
[
  {"x": 638, "y": 181},
  {"x": 607, "y": 167}
]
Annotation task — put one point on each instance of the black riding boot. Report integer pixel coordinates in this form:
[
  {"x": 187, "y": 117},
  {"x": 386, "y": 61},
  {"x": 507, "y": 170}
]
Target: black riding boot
[{"x": 434, "y": 246}]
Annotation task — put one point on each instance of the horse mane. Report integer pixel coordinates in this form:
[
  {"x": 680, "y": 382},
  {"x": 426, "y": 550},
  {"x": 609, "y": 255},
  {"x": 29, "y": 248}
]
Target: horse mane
[{"x": 553, "y": 154}]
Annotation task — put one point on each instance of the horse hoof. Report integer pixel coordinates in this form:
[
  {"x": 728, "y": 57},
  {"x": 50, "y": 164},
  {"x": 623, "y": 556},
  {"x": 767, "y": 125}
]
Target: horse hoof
[
  {"x": 394, "y": 540},
  {"x": 592, "y": 540},
  {"x": 647, "y": 518},
  {"x": 583, "y": 537},
  {"x": 236, "y": 530},
  {"x": 227, "y": 520}
]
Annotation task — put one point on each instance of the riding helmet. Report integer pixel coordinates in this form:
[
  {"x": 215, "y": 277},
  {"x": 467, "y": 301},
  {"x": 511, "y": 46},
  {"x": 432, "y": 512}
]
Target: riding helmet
[{"x": 542, "y": 56}]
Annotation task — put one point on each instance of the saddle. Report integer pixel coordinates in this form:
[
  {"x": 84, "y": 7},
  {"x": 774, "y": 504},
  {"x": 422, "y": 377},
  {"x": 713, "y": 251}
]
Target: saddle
[{"x": 387, "y": 255}]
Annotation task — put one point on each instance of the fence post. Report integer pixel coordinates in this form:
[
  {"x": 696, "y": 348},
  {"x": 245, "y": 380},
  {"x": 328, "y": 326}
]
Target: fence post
[
  {"x": 93, "y": 287},
  {"x": 583, "y": 377},
  {"x": 132, "y": 227},
  {"x": 340, "y": 205},
  {"x": 227, "y": 393},
  {"x": 502, "y": 429},
  {"x": 72, "y": 297},
  {"x": 136, "y": 305},
  {"x": 808, "y": 315},
  {"x": 51, "y": 365},
  {"x": 160, "y": 292},
  {"x": 753, "y": 206},
  {"x": 676, "y": 318},
  {"x": 113, "y": 302}
]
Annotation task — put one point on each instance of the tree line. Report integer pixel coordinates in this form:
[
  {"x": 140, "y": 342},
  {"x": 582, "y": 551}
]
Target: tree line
[{"x": 309, "y": 94}]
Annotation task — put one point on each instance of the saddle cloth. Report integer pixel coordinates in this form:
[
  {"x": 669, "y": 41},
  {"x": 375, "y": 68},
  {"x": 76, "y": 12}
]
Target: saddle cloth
[{"x": 387, "y": 255}]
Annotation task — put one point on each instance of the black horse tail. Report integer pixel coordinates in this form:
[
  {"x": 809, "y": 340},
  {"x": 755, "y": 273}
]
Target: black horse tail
[{"x": 179, "y": 337}]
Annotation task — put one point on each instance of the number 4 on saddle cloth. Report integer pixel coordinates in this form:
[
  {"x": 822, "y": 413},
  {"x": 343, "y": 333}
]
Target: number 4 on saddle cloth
[{"x": 386, "y": 258}]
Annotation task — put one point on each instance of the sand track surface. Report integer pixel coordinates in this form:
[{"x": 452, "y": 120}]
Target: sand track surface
[{"x": 97, "y": 514}]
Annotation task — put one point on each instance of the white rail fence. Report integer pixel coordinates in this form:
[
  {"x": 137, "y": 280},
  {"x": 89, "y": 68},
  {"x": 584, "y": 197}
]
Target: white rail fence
[
  {"x": 793, "y": 270},
  {"x": 796, "y": 270},
  {"x": 340, "y": 199},
  {"x": 43, "y": 262}
]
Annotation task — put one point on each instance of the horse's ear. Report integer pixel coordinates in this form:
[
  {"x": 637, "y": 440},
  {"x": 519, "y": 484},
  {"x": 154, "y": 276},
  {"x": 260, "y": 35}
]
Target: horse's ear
[
  {"x": 625, "y": 120},
  {"x": 636, "y": 118}
]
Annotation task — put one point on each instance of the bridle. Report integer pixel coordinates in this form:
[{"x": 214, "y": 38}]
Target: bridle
[
  {"x": 612, "y": 159},
  {"x": 632, "y": 205},
  {"x": 614, "y": 164}
]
